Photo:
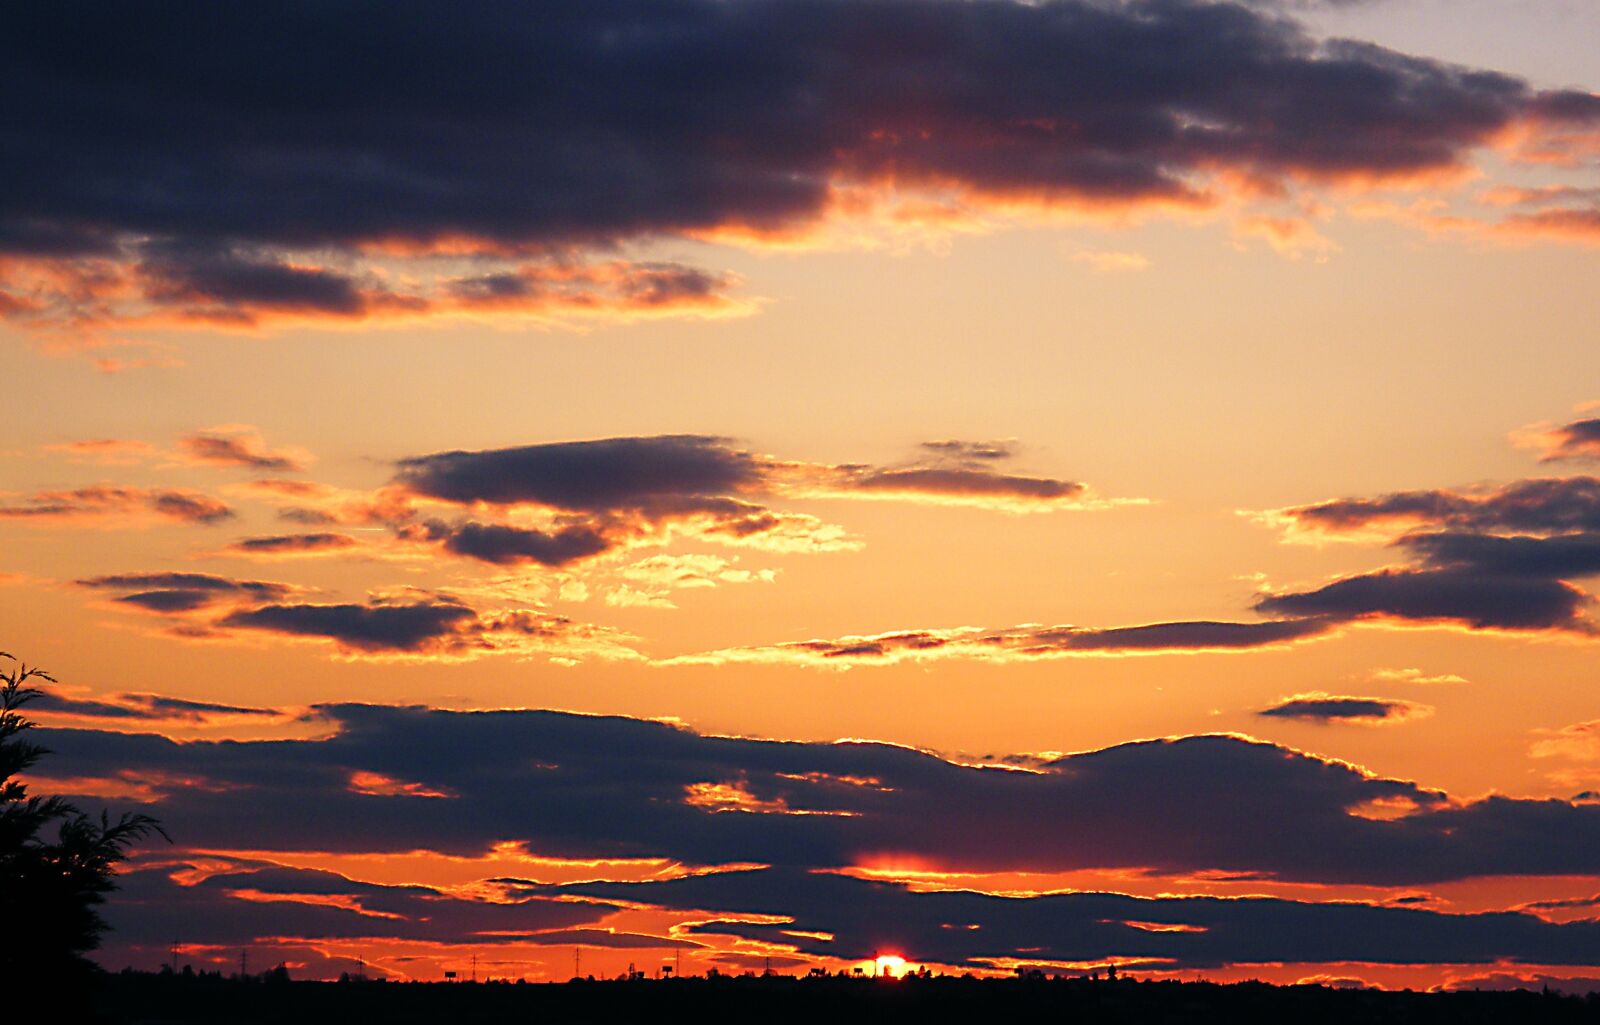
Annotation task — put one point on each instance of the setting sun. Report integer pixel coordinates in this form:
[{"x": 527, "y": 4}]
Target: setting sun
[{"x": 890, "y": 965}]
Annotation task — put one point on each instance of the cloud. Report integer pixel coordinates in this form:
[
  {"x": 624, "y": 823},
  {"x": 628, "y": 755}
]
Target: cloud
[
  {"x": 955, "y": 484},
  {"x": 575, "y": 786},
  {"x": 588, "y": 476},
  {"x": 238, "y": 903},
  {"x": 660, "y": 575},
  {"x": 1022, "y": 643},
  {"x": 1494, "y": 557},
  {"x": 1462, "y": 596},
  {"x": 105, "y": 451},
  {"x": 239, "y": 446},
  {"x": 1561, "y": 555},
  {"x": 146, "y": 709},
  {"x": 1577, "y": 440},
  {"x": 508, "y": 546},
  {"x": 825, "y": 915},
  {"x": 429, "y": 629},
  {"x": 1540, "y": 505},
  {"x": 491, "y": 166},
  {"x": 1416, "y": 676},
  {"x": 177, "y": 593},
  {"x": 116, "y": 506},
  {"x": 1578, "y": 742},
  {"x": 284, "y": 546},
  {"x": 1320, "y": 707},
  {"x": 564, "y": 502}
]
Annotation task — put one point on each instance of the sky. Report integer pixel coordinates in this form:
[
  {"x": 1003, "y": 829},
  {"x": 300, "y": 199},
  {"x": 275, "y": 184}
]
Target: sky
[{"x": 729, "y": 484}]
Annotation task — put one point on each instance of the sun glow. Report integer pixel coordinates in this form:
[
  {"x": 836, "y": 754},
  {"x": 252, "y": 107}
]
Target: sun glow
[{"x": 891, "y": 966}]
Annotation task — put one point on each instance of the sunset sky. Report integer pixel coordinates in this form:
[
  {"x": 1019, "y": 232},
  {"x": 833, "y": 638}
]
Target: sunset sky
[{"x": 695, "y": 482}]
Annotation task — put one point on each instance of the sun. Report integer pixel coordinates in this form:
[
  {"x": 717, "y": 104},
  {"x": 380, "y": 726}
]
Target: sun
[{"x": 891, "y": 965}]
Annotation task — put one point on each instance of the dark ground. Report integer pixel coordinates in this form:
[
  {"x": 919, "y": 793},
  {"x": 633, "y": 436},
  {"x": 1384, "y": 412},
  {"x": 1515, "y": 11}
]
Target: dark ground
[{"x": 150, "y": 999}]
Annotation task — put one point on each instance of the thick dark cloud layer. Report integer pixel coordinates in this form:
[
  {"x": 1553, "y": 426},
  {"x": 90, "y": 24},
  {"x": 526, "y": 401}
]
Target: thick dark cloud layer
[
  {"x": 195, "y": 150},
  {"x": 585, "y": 786},
  {"x": 864, "y": 918}
]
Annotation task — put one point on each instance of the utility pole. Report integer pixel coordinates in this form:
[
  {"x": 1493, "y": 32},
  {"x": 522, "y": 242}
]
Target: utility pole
[
  {"x": 174, "y": 957},
  {"x": 244, "y": 962},
  {"x": 577, "y": 962},
  {"x": 474, "y": 967}
]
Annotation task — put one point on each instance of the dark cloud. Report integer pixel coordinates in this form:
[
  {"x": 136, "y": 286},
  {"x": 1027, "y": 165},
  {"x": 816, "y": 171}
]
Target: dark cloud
[
  {"x": 1540, "y": 505},
  {"x": 292, "y": 544},
  {"x": 102, "y": 501},
  {"x": 1486, "y": 558},
  {"x": 1557, "y": 557},
  {"x": 971, "y": 451},
  {"x": 212, "y": 282},
  {"x": 360, "y": 627},
  {"x": 1025, "y": 643},
  {"x": 144, "y": 707},
  {"x": 172, "y": 593},
  {"x": 1327, "y": 708},
  {"x": 428, "y": 628},
  {"x": 961, "y": 481},
  {"x": 507, "y": 546},
  {"x": 610, "y": 493},
  {"x": 189, "y": 507},
  {"x": 181, "y": 153},
  {"x": 604, "y": 787},
  {"x": 865, "y": 917},
  {"x": 1459, "y": 595},
  {"x": 1201, "y": 635},
  {"x": 587, "y": 476}
]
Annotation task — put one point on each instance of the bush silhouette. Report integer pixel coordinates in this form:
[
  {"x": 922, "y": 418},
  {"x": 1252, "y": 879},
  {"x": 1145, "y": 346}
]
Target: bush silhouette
[{"x": 56, "y": 863}]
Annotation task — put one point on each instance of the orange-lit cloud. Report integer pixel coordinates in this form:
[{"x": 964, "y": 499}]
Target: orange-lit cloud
[
  {"x": 238, "y": 445},
  {"x": 1324, "y": 708},
  {"x": 105, "y": 451},
  {"x": 114, "y": 506},
  {"x": 1577, "y": 440}
]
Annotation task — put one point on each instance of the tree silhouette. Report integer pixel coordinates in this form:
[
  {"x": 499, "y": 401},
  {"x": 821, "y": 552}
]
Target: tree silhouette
[{"x": 56, "y": 863}]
